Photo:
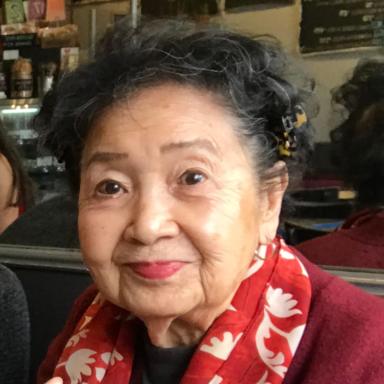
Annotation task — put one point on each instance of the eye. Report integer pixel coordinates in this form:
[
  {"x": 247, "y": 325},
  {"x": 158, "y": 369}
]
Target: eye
[
  {"x": 109, "y": 187},
  {"x": 192, "y": 178}
]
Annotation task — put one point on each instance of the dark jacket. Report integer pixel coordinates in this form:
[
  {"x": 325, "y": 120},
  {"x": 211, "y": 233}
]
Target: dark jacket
[{"x": 14, "y": 330}]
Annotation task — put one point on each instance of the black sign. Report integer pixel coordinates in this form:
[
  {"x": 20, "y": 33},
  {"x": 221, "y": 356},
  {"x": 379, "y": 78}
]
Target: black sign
[
  {"x": 18, "y": 41},
  {"x": 248, "y": 3},
  {"x": 328, "y": 25}
]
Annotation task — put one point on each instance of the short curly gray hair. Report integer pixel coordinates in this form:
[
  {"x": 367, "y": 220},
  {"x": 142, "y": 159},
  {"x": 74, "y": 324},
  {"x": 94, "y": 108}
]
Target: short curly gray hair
[{"x": 247, "y": 74}]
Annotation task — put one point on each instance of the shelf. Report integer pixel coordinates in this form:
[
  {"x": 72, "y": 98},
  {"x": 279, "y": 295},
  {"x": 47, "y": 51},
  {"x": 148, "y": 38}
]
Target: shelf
[
  {"x": 9, "y": 103},
  {"x": 46, "y": 171}
]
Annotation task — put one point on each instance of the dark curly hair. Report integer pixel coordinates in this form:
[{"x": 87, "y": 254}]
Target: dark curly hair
[
  {"x": 358, "y": 142},
  {"x": 247, "y": 75},
  {"x": 21, "y": 181}
]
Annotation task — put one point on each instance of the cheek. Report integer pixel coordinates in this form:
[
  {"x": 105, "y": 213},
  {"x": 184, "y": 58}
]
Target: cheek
[
  {"x": 225, "y": 240},
  {"x": 99, "y": 233},
  {"x": 224, "y": 228},
  {"x": 236, "y": 213},
  {"x": 250, "y": 217}
]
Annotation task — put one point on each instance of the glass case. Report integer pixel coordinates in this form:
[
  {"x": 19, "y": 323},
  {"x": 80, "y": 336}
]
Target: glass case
[{"x": 16, "y": 118}]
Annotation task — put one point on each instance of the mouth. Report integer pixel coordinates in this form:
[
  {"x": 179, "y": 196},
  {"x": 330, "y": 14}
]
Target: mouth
[{"x": 158, "y": 270}]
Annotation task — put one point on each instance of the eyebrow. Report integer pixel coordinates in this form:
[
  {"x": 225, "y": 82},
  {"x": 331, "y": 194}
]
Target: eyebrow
[
  {"x": 198, "y": 143},
  {"x": 108, "y": 157},
  {"x": 105, "y": 157}
]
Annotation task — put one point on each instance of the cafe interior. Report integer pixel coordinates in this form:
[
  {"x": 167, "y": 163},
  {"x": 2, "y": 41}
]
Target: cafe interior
[{"x": 43, "y": 40}]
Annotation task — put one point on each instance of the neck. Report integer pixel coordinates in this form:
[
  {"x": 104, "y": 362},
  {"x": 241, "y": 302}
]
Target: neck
[{"x": 168, "y": 332}]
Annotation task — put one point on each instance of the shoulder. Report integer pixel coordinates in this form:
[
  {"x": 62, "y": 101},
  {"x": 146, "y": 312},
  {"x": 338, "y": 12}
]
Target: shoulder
[
  {"x": 50, "y": 223},
  {"x": 332, "y": 293},
  {"x": 359, "y": 246},
  {"x": 7, "y": 277},
  {"x": 56, "y": 347},
  {"x": 10, "y": 286},
  {"x": 319, "y": 247},
  {"x": 342, "y": 341},
  {"x": 13, "y": 302},
  {"x": 14, "y": 329}
]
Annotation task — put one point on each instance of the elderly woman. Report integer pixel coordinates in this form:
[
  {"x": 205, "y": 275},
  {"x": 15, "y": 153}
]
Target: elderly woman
[{"x": 180, "y": 143}]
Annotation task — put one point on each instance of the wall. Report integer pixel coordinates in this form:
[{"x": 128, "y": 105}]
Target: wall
[
  {"x": 328, "y": 70},
  {"x": 105, "y": 12}
]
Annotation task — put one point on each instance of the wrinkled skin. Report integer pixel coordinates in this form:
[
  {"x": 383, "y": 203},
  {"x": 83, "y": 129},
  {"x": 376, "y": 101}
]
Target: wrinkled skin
[{"x": 165, "y": 178}]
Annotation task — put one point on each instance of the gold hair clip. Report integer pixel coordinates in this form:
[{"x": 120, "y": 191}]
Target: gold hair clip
[{"x": 290, "y": 123}]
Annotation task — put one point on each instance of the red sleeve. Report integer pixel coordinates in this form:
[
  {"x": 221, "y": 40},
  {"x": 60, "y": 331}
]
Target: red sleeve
[
  {"x": 342, "y": 342},
  {"x": 56, "y": 347}
]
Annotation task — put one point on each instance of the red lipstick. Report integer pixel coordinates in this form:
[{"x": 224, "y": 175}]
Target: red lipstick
[{"x": 157, "y": 270}]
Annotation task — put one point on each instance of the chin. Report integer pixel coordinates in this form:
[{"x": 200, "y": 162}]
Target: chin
[
  {"x": 159, "y": 304},
  {"x": 159, "y": 311}
]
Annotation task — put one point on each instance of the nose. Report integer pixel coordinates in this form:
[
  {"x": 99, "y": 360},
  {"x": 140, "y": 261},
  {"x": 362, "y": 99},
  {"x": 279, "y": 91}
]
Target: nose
[{"x": 152, "y": 220}]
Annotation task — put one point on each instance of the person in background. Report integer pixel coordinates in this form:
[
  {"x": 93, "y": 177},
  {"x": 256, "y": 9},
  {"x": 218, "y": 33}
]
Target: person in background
[
  {"x": 184, "y": 139},
  {"x": 50, "y": 223},
  {"x": 15, "y": 197},
  {"x": 15, "y": 185},
  {"x": 358, "y": 146}
]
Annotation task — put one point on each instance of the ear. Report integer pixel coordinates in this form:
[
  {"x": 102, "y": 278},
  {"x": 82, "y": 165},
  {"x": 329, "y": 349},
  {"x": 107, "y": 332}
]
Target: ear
[{"x": 271, "y": 200}]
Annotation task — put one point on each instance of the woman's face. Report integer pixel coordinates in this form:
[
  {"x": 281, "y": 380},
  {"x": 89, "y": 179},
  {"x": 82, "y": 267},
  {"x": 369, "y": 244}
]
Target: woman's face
[
  {"x": 8, "y": 213},
  {"x": 170, "y": 211}
]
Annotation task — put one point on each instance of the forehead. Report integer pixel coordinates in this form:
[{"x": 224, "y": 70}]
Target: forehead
[{"x": 165, "y": 114}]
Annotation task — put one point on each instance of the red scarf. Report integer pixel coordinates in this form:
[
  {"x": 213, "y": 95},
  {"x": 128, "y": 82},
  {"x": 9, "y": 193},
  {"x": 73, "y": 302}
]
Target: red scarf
[{"x": 253, "y": 341}]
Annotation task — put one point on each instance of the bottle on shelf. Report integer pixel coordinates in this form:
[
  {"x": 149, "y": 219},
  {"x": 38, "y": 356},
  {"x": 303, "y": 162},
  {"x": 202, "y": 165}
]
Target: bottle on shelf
[
  {"x": 21, "y": 79},
  {"x": 3, "y": 83}
]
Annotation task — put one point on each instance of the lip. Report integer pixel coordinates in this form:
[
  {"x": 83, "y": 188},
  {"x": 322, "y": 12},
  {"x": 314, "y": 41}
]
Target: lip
[{"x": 158, "y": 270}]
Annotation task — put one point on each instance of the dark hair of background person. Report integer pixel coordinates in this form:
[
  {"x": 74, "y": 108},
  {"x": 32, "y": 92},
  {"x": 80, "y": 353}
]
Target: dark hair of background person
[
  {"x": 21, "y": 181},
  {"x": 358, "y": 142},
  {"x": 246, "y": 74}
]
